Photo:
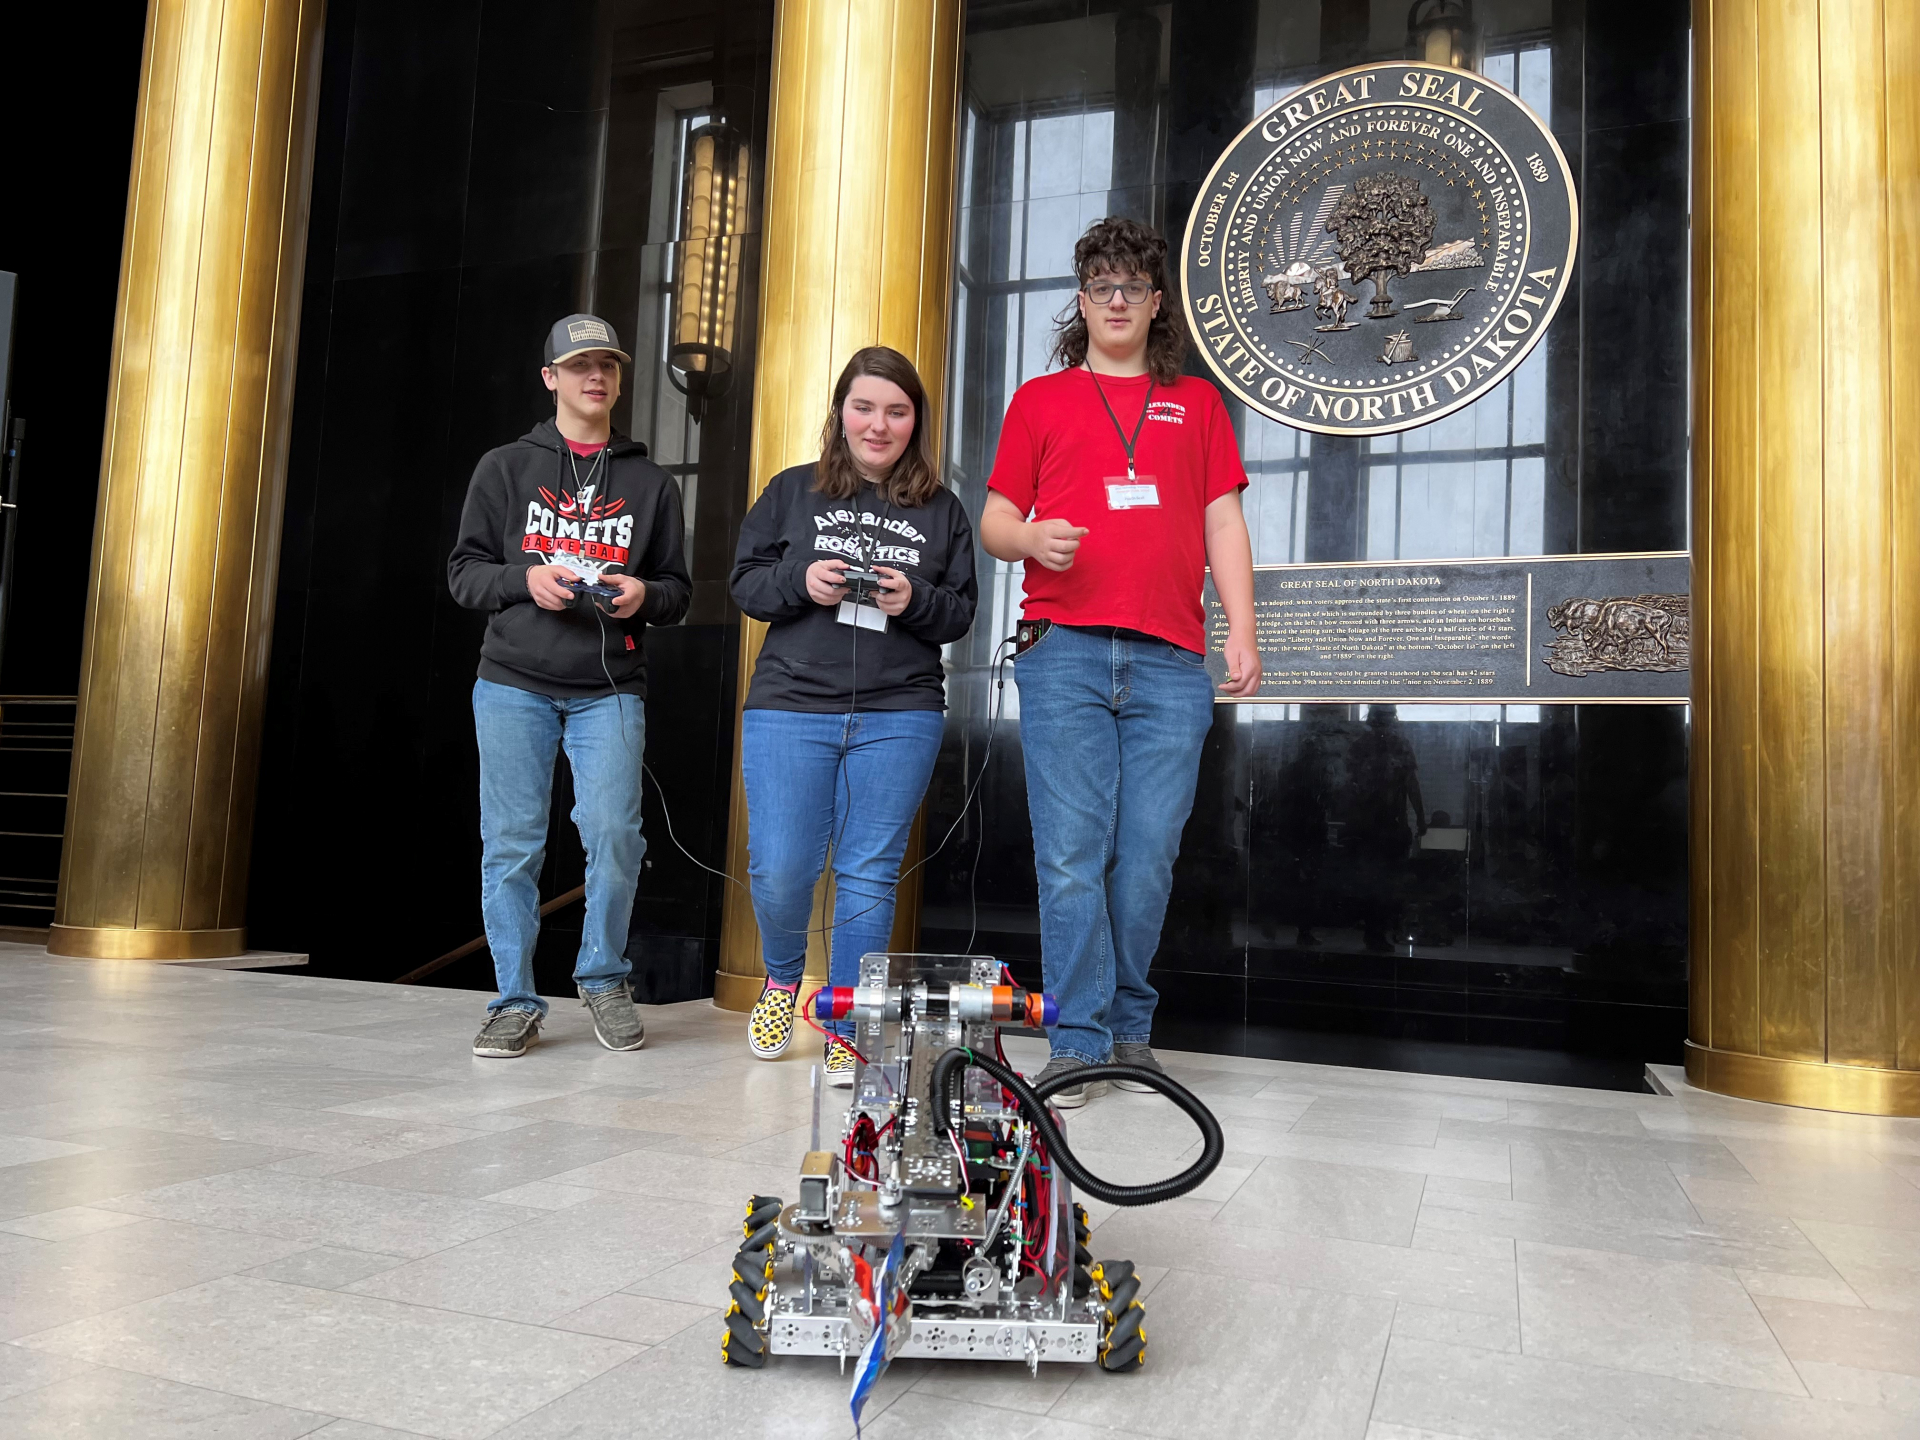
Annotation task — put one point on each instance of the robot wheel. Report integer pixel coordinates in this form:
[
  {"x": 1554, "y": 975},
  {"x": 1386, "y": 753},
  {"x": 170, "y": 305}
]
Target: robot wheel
[
  {"x": 743, "y": 1342},
  {"x": 1123, "y": 1331}
]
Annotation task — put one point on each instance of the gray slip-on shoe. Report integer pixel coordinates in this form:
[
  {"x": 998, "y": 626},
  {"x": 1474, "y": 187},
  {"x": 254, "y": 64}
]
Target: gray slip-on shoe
[
  {"x": 1138, "y": 1054},
  {"x": 1073, "y": 1096},
  {"x": 616, "y": 1024},
  {"x": 507, "y": 1035}
]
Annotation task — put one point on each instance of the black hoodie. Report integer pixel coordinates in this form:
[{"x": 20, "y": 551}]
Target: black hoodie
[
  {"x": 807, "y": 662},
  {"x": 524, "y": 508}
]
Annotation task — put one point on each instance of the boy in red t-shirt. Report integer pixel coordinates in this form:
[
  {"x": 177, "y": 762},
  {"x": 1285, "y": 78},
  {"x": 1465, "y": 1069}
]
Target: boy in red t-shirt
[{"x": 1118, "y": 482}]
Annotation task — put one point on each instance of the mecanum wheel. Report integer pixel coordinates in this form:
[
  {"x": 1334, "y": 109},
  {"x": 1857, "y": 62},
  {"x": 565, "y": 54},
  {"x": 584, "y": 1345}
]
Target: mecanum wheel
[
  {"x": 1123, "y": 1331},
  {"x": 743, "y": 1343},
  {"x": 1082, "y": 1257}
]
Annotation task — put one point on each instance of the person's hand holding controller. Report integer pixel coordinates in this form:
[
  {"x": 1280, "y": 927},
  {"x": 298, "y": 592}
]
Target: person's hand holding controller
[
  {"x": 547, "y": 584},
  {"x": 824, "y": 585},
  {"x": 633, "y": 594},
  {"x": 895, "y": 592}
]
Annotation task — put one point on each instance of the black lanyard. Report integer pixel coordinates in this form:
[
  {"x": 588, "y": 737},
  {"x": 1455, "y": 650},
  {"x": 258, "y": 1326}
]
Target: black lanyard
[{"x": 1126, "y": 442}]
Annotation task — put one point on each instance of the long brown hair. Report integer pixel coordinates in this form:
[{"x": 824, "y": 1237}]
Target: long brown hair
[
  {"x": 915, "y": 477},
  {"x": 1117, "y": 245}
]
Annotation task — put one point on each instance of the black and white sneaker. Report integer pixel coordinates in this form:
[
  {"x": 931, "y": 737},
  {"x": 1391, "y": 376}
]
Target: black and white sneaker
[{"x": 507, "y": 1035}]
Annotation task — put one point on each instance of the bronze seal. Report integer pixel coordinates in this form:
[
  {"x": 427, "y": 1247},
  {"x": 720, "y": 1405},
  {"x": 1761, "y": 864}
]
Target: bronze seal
[{"x": 1379, "y": 248}]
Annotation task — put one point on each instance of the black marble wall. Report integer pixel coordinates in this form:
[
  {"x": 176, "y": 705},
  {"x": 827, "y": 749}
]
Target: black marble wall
[
  {"x": 482, "y": 169},
  {"x": 1539, "y": 927}
]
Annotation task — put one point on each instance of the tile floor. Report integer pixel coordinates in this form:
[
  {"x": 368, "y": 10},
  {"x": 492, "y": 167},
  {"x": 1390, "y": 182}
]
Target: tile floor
[{"x": 255, "y": 1206}]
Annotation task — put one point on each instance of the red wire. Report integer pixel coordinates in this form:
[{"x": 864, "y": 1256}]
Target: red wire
[{"x": 806, "y": 1014}]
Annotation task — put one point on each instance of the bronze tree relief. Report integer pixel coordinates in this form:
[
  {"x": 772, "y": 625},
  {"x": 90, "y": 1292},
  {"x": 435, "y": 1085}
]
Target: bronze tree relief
[{"x": 1383, "y": 224}]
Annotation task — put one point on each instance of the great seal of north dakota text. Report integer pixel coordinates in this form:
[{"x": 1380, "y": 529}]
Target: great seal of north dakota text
[{"x": 1379, "y": 248}]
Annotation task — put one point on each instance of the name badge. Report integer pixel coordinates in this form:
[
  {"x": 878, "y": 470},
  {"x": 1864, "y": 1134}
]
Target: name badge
[
  {"x": 1135, "y": 493},
  {"x": 866, "y": 617}
]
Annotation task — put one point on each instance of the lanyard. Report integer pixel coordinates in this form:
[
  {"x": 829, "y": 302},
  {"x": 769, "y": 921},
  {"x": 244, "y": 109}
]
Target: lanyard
[{"x": 1139, "y": 425}]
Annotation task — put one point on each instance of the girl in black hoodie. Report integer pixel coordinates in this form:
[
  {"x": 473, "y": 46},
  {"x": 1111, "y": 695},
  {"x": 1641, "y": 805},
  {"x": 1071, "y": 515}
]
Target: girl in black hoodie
[{"x": 844, "y": 714}]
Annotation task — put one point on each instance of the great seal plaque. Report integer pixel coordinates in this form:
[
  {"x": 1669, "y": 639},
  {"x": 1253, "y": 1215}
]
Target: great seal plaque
[{"x": 1379, "y": 248}]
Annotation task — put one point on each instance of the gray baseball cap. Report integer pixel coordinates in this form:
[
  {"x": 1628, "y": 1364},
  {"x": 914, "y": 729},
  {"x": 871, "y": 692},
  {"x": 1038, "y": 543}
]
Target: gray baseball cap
[{"x": 578, "y": 334}]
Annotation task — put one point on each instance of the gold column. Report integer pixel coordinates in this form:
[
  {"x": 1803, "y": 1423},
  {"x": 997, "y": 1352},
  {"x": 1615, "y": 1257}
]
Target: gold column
[
  {"x": 857, "y": 249},
  {"x": 187, "y": 539},
  {"x": 1805, "y": 983}
]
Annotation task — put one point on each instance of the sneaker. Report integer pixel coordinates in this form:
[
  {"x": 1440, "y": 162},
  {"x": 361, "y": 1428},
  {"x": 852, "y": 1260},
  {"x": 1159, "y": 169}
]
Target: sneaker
[
  {"x": 1074, "y": 1096},
  {"x": 1140, "y": 1055},
  {"x": 616, "y": 1024},
  {"x": 840, "y": 1062},
  {"x": 507, "y": 1035},
  {"x": 770, "y": 1026}
]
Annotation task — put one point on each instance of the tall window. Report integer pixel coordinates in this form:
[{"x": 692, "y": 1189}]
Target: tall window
[
  {"x": 1474, "y": 482},
  {"x": 1030, "y": 185}
]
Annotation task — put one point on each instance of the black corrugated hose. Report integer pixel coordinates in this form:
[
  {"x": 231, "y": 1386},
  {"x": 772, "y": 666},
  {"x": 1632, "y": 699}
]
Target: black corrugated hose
[{"x": 1032, "y": 1101}]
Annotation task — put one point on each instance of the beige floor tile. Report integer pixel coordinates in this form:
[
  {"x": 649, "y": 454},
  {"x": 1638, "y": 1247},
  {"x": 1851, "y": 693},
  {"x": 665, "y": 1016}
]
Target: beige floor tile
[
  {"x": 326, "y": 1268},
  {"x": 1457, "y": 1327},
  {"x": 1879, "y": 1388},
  {"x": 1240, "y": 1357},
  {"x": 119, "y": 1168},
  {"x": 22, "y": 1149},
  {"x": 1311, "y": 1197},
  {"x": 1871, "y": 1258},
  {"x": 1827, "y": 1289},
  {"x": 22, "y": 1369},
  {"x": 1352, "y": 1267},
  {"x": 112, "y": 1403},
  {"x": 325, "y": 1211},
  {"x": 1479, "y": 1394},
  {"x": 349, "y": 1356},
  {"x": 480, "y": 1165},
  {"x": 680, "y": 1391},
  {"x": 1659, "y": 1317},
  {"x": 65, "y": 1224},
  {"x": 560, "y": 1261},
  {"x": 1845, "y": 1335},
  {"x": 637, "y": 1319},
  {"x": 920, "y": 1415}
]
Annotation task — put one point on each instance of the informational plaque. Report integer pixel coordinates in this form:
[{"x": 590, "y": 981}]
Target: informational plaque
[{"x": 1545, "y": 629}]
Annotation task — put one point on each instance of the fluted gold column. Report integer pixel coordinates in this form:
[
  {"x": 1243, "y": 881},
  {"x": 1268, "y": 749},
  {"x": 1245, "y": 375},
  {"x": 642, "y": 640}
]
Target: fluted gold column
[
  {"x": 1806, "y": 751},
  {"x": 857, "y": 245},
  {"x": 186, "y": 543}
]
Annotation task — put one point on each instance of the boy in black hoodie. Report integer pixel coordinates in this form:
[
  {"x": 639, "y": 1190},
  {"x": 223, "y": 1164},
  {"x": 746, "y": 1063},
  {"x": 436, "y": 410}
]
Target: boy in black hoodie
[{"x": 567, "y": 504}]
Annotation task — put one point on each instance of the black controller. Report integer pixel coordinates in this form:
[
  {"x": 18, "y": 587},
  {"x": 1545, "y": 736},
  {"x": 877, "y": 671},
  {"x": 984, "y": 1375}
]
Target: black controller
[{"x": 591, "y": 587}]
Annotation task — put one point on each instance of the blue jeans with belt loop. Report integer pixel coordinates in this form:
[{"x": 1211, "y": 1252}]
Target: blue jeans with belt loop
[
  {"x": 848, "y": 784},
  {"x": 520, "y": 733},
  {"x": 1111, "y": 725}
]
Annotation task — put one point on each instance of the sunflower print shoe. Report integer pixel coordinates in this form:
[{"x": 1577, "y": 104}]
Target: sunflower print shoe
[
  {"x": 770, "y": 1026},
  {"x": 840, "y": 1058}
]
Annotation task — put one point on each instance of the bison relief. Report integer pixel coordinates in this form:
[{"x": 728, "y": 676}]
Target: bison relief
[{"x": 1623, "y": 632}]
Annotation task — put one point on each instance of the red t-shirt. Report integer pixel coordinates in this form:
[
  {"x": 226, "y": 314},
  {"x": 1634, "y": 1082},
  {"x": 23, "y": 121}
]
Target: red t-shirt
[
  {"x": 584, "y": 448},
  {"x": 1141, "y": 568}
]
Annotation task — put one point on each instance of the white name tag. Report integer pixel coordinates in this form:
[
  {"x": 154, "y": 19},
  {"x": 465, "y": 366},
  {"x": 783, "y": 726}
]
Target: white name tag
[
  {"x": 866, "y": 617},
  {"x": 1139, "y": 495}
]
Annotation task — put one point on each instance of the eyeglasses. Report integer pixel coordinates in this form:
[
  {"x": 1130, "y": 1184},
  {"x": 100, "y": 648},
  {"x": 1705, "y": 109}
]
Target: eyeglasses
[{"x": 1100, "y": 292}]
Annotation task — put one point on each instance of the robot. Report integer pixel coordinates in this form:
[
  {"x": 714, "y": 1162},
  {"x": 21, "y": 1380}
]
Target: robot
[{"x": 943, "y": 1223}]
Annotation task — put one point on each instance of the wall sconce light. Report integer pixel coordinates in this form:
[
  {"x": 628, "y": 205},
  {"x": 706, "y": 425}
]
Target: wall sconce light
[
  {"x": 713, "y": 203},
  {"x": 1443, "y": 32}
]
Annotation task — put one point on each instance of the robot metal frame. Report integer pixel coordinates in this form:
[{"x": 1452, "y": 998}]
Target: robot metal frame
[{"x": 942, "y": 1225}]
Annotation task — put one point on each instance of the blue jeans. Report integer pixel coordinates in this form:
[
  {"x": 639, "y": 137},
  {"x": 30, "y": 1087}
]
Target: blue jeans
[
  {"x": 801, "y": 802},
  {"x": 1111, "y": 728},
  {"x": 520, "y": 733}
]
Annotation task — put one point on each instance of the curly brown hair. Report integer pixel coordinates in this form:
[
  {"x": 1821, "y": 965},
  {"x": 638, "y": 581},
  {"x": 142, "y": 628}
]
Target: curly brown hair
[
  {"x": 1117, "y": 245},
  {"x": 915, "y": 477}
]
